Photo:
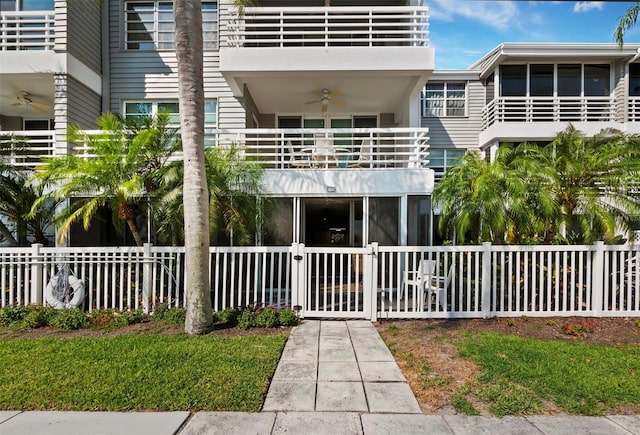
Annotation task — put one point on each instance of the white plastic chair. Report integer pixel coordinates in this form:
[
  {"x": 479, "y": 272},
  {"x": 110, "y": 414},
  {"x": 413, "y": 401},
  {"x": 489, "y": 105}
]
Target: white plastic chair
[
  {"x": 298, "y": 159},
  {"x": 430, "y": 287},
  {"x": 364, "y": 157}
]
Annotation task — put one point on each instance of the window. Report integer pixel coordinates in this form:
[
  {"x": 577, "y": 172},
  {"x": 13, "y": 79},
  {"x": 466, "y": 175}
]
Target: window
[
  {"x": 150, "y": 25},
  {"x": 444, "y": 99},
  {"x": 140, "y": 109},
  {"x": 26, "y": 5},
  {"x": 541, "y": 80},
  {"x": 597, "y": 80},
  {"x": 569, "y": 80},
  {"x": 634, "y": 79}
]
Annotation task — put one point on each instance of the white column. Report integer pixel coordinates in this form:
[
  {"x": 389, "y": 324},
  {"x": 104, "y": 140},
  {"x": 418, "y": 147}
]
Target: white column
[{"x": 403, "y": 220}]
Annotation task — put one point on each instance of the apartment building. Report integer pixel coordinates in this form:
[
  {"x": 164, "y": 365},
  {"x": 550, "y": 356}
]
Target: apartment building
[{"x": 342, "y": 104}]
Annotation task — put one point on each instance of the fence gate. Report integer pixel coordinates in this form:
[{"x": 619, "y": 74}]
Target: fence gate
[{"x": 333, "y": 283}]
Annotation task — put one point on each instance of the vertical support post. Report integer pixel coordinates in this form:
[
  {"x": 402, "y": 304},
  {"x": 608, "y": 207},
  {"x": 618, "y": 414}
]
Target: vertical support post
[
  {"x": 597, "y": 278},
  {"x": 147, "y": 274},
  {"x": 297, "y": 277},
  {"x": 486, "y": 280},
  {"x": 370, "y": 282},
  {"x": 37, "y": 274}
]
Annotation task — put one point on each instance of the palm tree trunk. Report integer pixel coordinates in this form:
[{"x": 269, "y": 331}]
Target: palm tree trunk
[
  {"x": 134, "y": 232},
  {"x": 7, "y": 234},
  {"x": 189, "y": 53}
]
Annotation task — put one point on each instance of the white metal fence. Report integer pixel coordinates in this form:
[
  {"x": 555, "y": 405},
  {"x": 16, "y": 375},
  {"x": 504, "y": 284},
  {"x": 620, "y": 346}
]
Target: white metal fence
[{"x": 372, "y": 282}]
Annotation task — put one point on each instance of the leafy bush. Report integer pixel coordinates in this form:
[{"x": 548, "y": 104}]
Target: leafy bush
[
  {"x": 287, "y": 317},
  {"x": 266, "y": 318},
  {"x": 108, "y": 319},
  {"x": 70, "y": 318},
  {"x": 247, "y": 319},
  {"x": 229, "y": 316},
  {"x": 170, "y": 314},
  {"x": 38, "y": 316},
  {"x": 133, "y": 317},
  {"x": 12, "y": 314}
]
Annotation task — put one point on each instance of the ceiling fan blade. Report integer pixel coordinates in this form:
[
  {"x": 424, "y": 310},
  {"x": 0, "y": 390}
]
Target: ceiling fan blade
[
  {"x": 338, "y": 103},
  {"x": 313, "y": 102},
  {"x": 335, "y": 93},
  {"x": 16, "y": 104}
]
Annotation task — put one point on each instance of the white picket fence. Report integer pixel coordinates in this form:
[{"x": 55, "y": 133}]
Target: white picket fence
[{"x": 372, "y": 282}]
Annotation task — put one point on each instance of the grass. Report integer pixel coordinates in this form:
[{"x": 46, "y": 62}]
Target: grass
[
  {"x": 517, "y": 373},
  {"x": 138, "y": 372}
]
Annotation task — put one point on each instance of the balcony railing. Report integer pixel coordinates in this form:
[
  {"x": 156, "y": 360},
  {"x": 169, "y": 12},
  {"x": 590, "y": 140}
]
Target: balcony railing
[
  {"x": 549, "y": 109},
  {"x": 25, "y": 149},
  {"x": 334, "y": 148},
  {"x": 27, "y": 30},
  {"x": 329, "y": 26},
  {"x": 633, "y": 112}
]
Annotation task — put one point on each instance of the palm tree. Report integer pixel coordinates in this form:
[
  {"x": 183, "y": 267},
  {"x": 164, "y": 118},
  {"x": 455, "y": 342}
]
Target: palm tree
[
  {"x": 573, "y": 190},
  {"x": 189, "y": 53},
  {"x": 595, "y": 186},
  {"x": 17, "y": 197},
  {"x": 120, "y": 173},
  {"x": 234, "y": 185},
  {"x": 627, "y": 21},
  {"x": 483, "y": 201}
]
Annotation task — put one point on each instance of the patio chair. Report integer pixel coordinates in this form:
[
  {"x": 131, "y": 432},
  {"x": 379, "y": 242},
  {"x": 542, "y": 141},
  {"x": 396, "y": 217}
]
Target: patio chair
[
  {"x": 364, "y": 157},
  {"x": 430, "y": 287},
  {"x": 298, "y": 159}
]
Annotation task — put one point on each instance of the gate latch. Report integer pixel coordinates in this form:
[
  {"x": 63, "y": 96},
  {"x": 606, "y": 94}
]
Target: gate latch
[{"x": 297, "y": 257}]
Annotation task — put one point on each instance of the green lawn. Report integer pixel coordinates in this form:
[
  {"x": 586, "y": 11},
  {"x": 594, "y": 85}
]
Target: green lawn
[
  {"x": 138, "y": 372},
  {"x": 518, "y": 373}
]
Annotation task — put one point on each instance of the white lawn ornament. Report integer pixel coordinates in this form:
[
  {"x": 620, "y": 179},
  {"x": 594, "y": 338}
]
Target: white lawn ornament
[{"x": 57, "y": 294}]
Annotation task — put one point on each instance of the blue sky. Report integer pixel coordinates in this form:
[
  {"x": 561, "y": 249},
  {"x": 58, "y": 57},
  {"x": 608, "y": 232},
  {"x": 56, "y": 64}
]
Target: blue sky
[{"x": 462, "y": 31}]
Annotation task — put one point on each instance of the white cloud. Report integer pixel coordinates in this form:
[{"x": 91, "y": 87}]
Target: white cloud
[
  {"x": 500, "y": 15},
  {"x": 587, "y": 6}
]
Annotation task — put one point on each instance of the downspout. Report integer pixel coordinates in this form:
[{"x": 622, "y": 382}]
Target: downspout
[{"x": 106, "y": 55}]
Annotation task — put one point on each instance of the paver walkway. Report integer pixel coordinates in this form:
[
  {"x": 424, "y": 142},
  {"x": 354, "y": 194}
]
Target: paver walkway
[{"x": 339, "y": 366}]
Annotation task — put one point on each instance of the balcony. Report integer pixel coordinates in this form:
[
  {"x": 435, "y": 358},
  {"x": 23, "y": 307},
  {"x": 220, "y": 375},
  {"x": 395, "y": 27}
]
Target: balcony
[
  {"x": 540, "y": 118},
  {"x": 27, "y": 30},
  {"x": 323, "y": 149},
  {"x": 633, "y": 111},
  {"x": 286, "y": 53},
  {"x": 26, "y": 148},
  {"x": 329, "y": 27}
]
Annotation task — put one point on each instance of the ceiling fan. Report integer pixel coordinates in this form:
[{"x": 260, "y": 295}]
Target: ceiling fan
[
  {"x": 326, "y": 97},
  {"x": 24, "y": 98}
]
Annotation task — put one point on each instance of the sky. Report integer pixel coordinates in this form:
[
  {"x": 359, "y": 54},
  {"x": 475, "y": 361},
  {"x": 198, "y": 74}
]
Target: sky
[{"x": 462, "y": 31}]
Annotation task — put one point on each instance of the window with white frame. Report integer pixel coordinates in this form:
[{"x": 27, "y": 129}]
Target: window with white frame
[
  {"x": 149, "y": 25},
  {"x": 140, "y": 109},
  {"x": 444, "y": 99}
]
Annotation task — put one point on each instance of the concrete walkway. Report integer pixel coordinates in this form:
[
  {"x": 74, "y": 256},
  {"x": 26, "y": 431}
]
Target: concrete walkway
[
  {"x": 339, "y": 366},
  {"x": 333, "y": 378}
]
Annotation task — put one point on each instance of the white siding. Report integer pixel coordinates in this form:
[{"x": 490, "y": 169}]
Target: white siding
[
  {"x": 459, "y": 132},
  {"x": 84, "y": 36},
  {"x": 153, "y": 75}
]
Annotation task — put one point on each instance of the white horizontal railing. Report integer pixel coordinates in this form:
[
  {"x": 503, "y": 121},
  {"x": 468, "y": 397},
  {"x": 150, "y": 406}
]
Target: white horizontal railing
[
  {"x": 329, "y": 26},
  {"x": 633, "y": 112},
  {"x": 301, "y": 148},
  {"x": 25, "y": 30},
  {"x": 25, "y": 149},
  {"x": 548, "y": 109}
]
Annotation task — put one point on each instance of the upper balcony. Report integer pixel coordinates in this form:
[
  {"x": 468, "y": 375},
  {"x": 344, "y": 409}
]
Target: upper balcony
[
  {"x": 317, "y": 44},
  {"x": 27, "y": 30},
  {"x": 539, "y": 118}
]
